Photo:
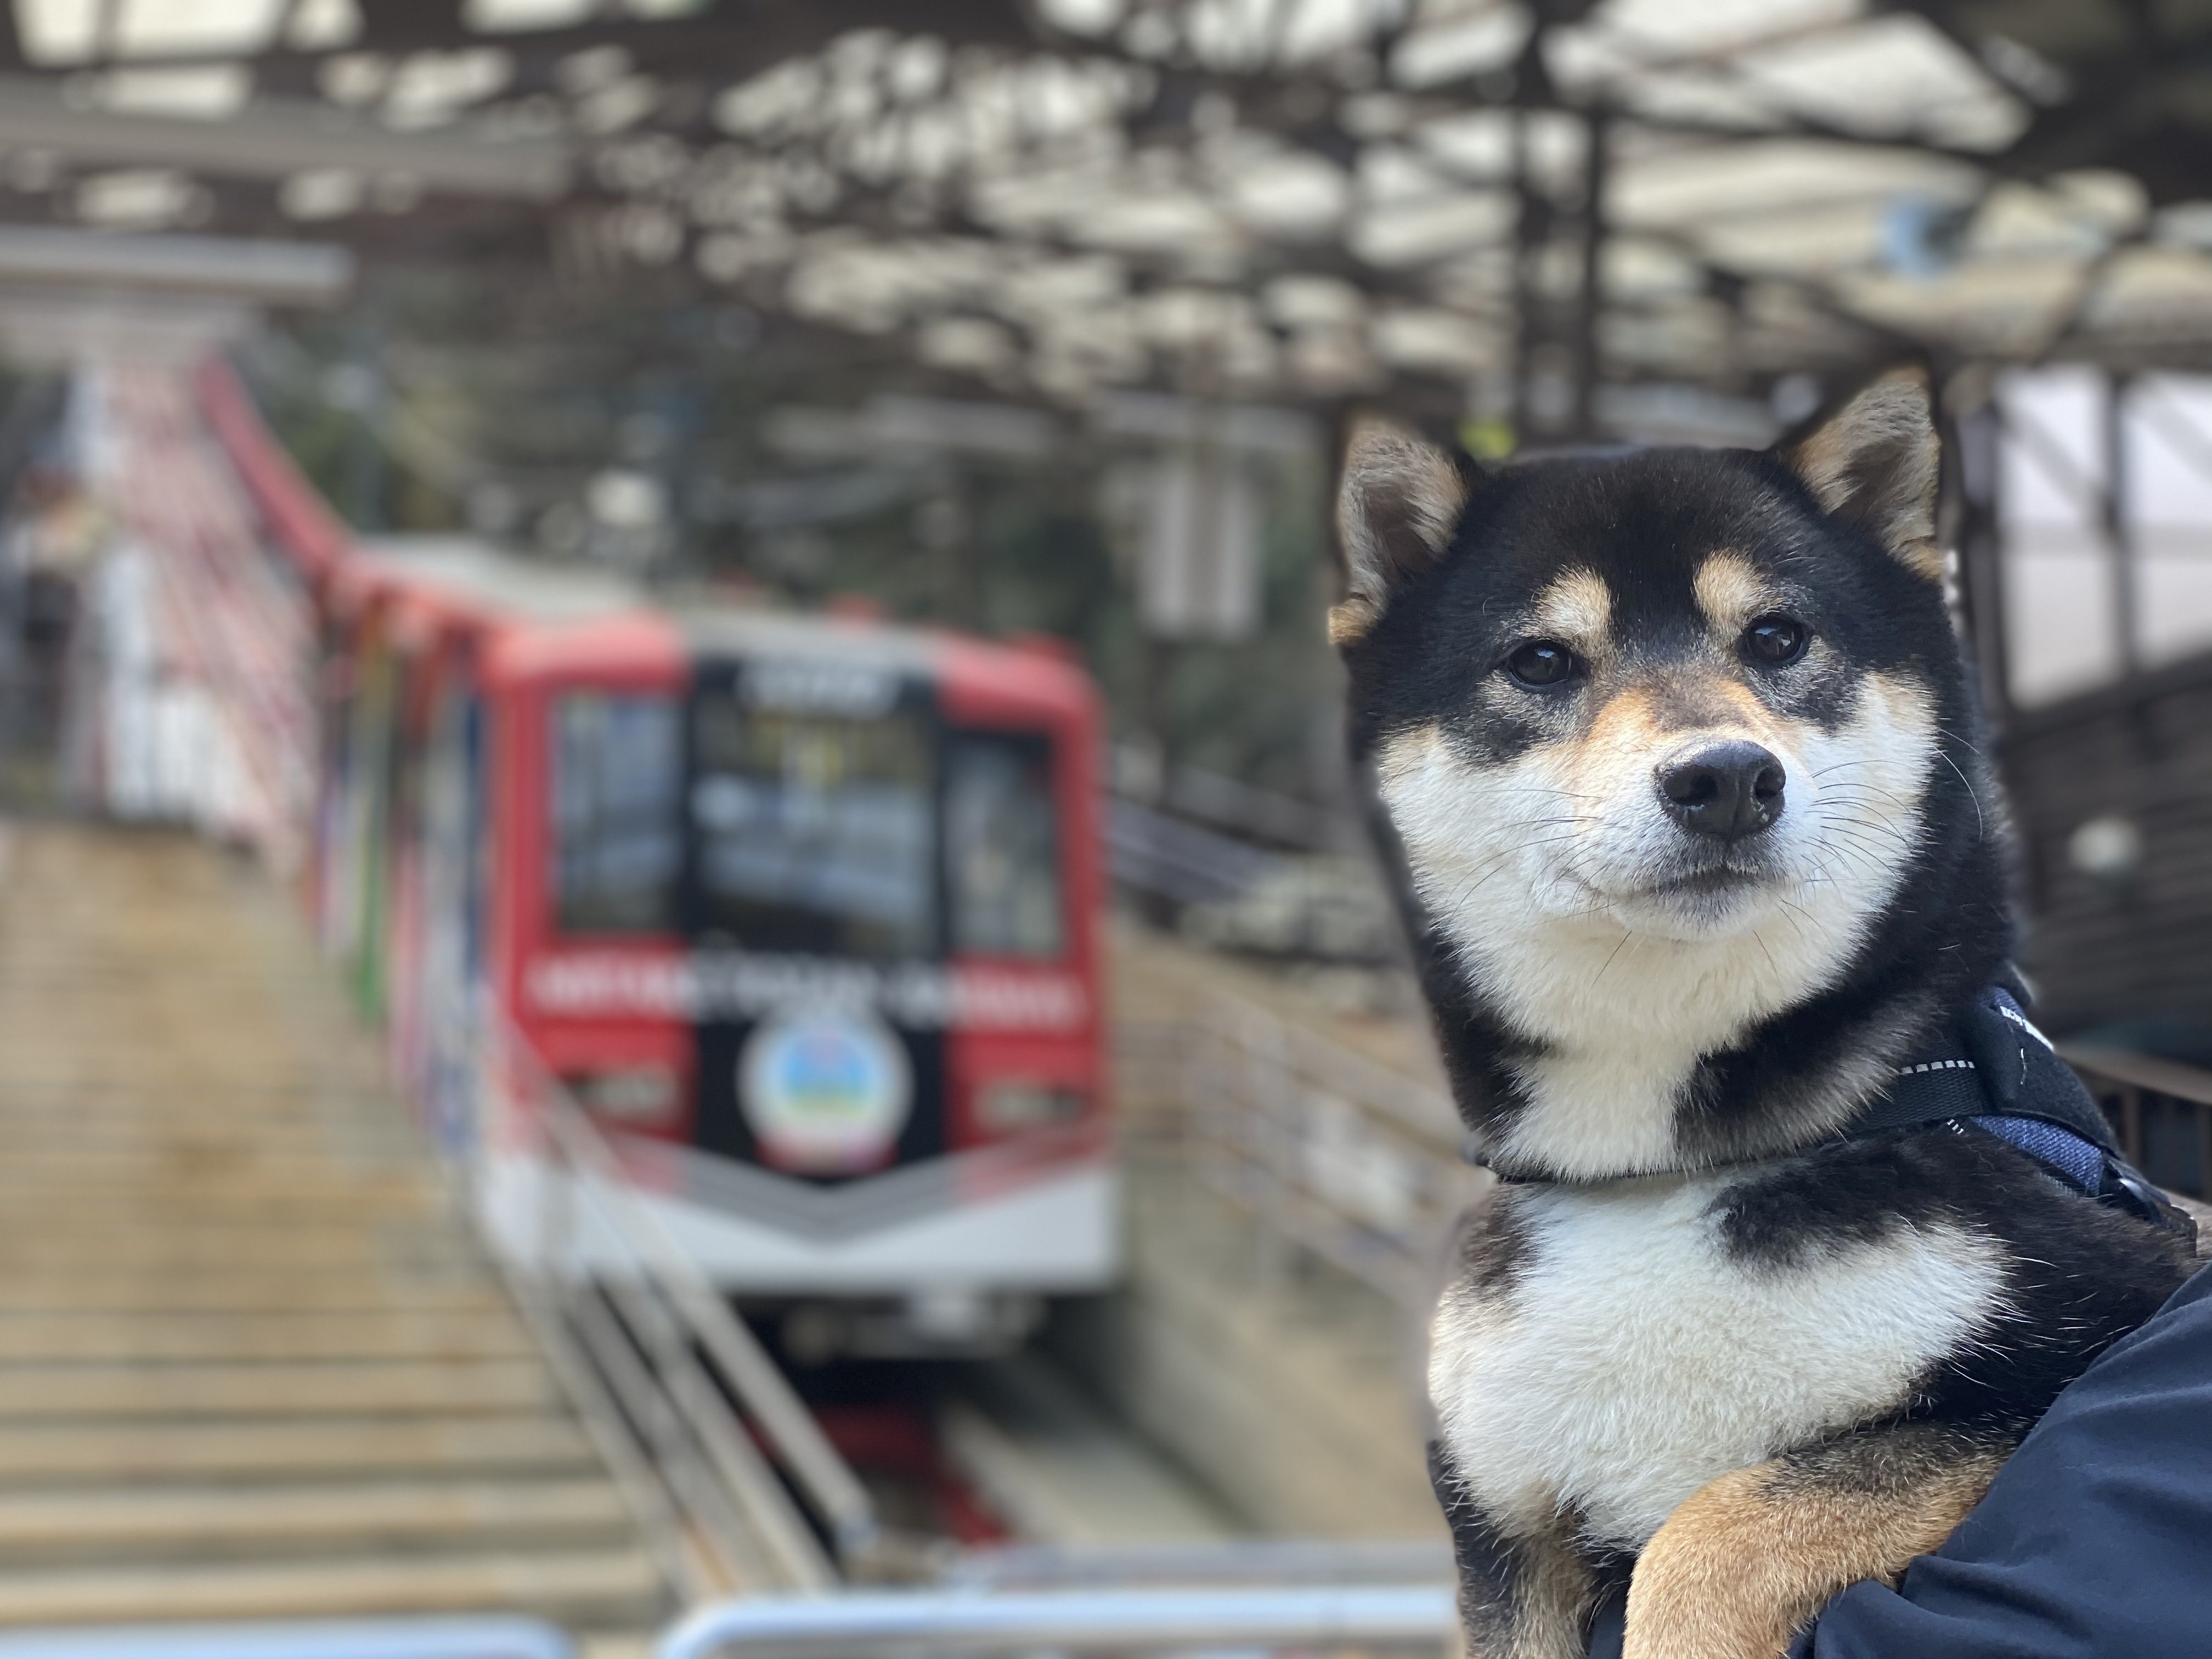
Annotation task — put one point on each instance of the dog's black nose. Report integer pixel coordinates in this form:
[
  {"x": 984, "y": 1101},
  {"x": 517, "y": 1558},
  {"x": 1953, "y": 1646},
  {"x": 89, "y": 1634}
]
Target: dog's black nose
[{"x": 1730, "y": 790}]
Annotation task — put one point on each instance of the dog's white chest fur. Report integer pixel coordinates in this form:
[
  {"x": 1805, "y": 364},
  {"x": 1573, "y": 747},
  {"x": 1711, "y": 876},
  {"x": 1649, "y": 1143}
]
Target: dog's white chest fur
[{"x": 1629, "y": 1359}]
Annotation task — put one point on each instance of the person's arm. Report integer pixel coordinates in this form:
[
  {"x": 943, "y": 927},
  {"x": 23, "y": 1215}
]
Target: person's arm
[
  {"x": 2096, "y": 1538},
  {"x": 2093, "y": 1542}
]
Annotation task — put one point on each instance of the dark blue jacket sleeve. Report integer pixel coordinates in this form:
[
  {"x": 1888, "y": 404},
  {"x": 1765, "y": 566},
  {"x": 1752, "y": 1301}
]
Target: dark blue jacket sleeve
[
  {"x": 2095, "y": 1539},
  {"x": 2093, "y": 1542}
]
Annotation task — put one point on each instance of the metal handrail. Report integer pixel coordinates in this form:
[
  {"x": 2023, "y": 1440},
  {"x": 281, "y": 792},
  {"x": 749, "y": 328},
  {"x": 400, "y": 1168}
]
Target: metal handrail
[
  {"x": 1219, "y": 1563},
  {"x": 1122, "y": 1621},
  {"x": 662, "y": 1342},
  {"x": 833, "y": 1489}
]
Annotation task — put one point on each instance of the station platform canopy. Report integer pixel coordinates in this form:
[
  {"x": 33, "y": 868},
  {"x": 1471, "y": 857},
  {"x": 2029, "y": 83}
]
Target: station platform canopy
[{"x": 1564, "y": 205}]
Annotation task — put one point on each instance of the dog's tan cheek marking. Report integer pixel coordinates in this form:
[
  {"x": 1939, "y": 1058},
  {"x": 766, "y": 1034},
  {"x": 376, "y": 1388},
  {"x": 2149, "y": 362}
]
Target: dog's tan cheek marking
[
  {"x": 1402, "y": 753},
  {"x": 1730, "y": 592},
  {"x": 1903, "y": 704},
  {"x": 1750, "y": 1557}
]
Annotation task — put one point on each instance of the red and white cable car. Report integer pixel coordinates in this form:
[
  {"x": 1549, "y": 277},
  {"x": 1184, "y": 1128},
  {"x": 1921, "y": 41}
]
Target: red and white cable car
[{"x": 805, "y": 909}]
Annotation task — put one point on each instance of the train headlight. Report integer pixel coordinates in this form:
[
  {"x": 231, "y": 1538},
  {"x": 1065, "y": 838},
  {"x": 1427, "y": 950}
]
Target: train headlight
[
  {"x": 628, "y": 1094},
  {"x": 1005, "y": 1107}
]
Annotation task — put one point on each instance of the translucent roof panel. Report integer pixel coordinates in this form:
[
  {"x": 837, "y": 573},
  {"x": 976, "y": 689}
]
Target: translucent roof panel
[{"x": 1464, "y": 201}]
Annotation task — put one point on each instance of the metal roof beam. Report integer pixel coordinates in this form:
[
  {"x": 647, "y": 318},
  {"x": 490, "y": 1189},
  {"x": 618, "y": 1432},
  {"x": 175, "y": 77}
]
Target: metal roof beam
[
  {"x": 735, "y": 37},
  {"x": 281, "y": 273},
  {"x": 275, "y": 140}
]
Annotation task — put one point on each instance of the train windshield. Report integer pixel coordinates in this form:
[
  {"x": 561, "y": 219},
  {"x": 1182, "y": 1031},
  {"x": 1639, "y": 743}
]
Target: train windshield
[
  {"x": 1002, "y": 833},
  {"x": 815, "y": 831},
  {"x": 617, "y": 767}
]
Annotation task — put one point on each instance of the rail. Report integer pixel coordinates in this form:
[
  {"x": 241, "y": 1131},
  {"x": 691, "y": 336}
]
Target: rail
[
  {"x": 726, "y": 1466},
  {"x": 485, "y": 1637},
  {"x": 1363, "y": 1618}
]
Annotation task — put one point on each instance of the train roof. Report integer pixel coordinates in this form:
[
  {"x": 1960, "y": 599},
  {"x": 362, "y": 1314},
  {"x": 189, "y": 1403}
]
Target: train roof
[
  {"x": 557, "y": 604},
  {"x": 483, "y": 577}
]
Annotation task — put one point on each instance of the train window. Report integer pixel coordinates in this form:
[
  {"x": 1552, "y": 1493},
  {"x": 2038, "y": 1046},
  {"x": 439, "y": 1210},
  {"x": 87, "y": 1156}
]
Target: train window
[
  {"x": 1002, "y": 834},
  {"x": 816, "y": 832},
  {"x": 616, "y": 770}
]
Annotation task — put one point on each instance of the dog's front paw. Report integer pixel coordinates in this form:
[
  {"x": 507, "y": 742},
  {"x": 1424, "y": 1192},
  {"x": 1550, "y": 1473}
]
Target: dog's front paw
[
  {"x": 1753, "y": 1555},
  {"x": 1708, "y": 1584}
]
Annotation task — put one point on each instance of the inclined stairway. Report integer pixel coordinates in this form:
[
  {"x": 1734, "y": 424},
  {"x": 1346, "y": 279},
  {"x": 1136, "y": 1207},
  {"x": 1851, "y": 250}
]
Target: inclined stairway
[{"x": 252, "y": 1363}]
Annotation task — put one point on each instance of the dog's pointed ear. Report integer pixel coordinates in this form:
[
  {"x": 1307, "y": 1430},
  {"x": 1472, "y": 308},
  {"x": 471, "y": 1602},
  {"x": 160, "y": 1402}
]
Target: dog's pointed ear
[
  {"x": 1396, "y": 511},
  {"x": 1873, "y": 464}
]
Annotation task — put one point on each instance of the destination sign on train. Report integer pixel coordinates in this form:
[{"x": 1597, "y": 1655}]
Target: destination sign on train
[{"x": 746, "y": 985}]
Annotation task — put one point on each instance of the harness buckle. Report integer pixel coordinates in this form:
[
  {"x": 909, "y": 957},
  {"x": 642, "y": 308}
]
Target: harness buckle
[{"x": 2127, "y": 1185}]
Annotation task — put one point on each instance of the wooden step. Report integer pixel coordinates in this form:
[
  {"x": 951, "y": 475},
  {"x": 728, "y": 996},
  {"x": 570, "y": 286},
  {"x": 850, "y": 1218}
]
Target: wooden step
[
  {"x": 392, "y": 1293},
  {"x": 210, "y": 1245},
  {"x": 411, "y": 1334},
  {"x": 591, "y": 1586},
  {"x": 198, "y": 1251},
  {"x": 188, "y": 1175},
  {"x": 48, "y": 1454},
  {"x": 263, "y": 1092},
  {"x": 27, "y": 1105},
  {"x": 253, "y": 1362},
  {"x": 296, "y": 1115},
  {"x": 204, "y": 1044},
  {"x": 200, "y": 1522},
  {"x": 270, "y": 1392},
  {"x": 23, "y": 1193},
  {"x": 229, "y": 1175},
  {"x": 216, "y": 1229},
  {"x": 248, "y": 1105}
]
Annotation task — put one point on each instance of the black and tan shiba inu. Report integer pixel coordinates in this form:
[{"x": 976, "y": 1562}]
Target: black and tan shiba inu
[{"x": 1704, "y": 861}]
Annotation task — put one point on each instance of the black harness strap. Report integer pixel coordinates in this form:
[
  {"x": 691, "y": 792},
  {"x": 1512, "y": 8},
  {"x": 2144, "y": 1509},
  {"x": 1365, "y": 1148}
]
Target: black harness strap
[
  {"x": 1991, "y": 1061},
  {"x": 1993, "y": 1072}
]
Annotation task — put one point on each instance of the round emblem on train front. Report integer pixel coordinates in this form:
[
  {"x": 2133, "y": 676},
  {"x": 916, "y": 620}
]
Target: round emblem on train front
[{"x": 824, "y": 1094}]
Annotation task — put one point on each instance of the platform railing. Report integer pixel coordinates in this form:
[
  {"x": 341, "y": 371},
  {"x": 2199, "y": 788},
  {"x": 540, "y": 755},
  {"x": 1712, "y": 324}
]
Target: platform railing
[
  {"x": 2160, "y": 1111},
  {"x": 1346, "y": 1619},
  {"x": 1343, "y": 1157},
  {"x": 726, "y": 1465},
  {"x": 1331, "y": 1151}
]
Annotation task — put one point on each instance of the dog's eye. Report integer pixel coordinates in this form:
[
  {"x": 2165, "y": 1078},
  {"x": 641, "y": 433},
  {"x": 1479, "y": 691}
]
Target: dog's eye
[
  {"x": 1775, "y": 640},
  {"x": 1540, "y": 662}
]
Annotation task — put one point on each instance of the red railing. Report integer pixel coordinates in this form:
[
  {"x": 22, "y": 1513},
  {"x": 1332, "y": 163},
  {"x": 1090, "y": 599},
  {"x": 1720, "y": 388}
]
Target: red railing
[{"x": 301, "y": 522}]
